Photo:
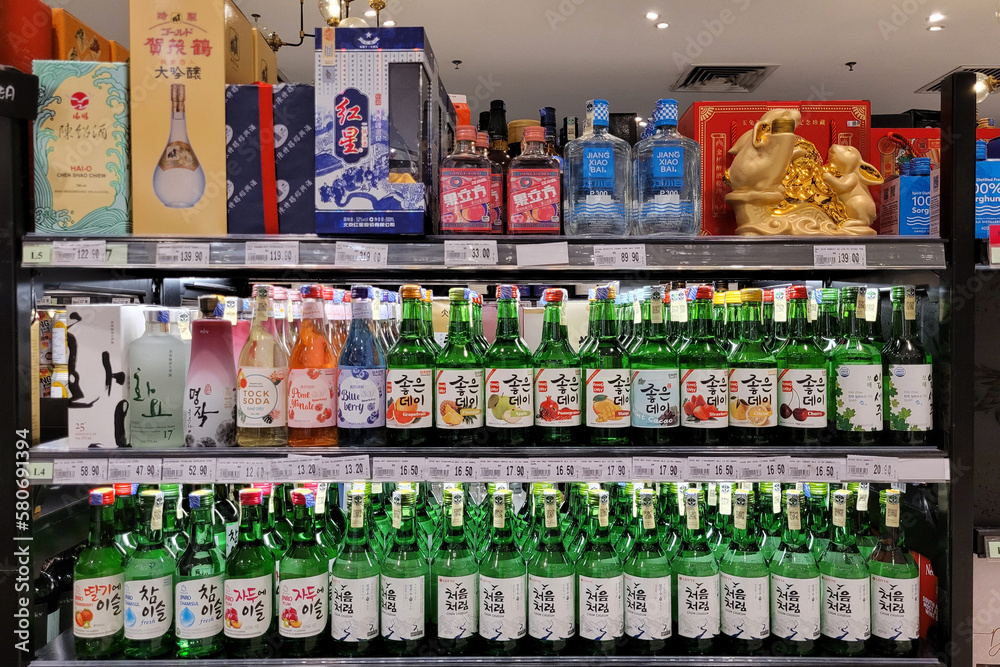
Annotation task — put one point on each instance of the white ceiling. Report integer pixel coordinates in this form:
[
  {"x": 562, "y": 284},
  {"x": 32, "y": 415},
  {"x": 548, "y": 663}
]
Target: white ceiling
[{"x": 560, "y": 53}]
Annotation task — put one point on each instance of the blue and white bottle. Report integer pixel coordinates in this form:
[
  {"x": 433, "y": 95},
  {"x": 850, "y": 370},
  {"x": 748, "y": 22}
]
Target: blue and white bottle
[
  {"x": 598, "y": 180},
  {"x": 667, "y": 168}
]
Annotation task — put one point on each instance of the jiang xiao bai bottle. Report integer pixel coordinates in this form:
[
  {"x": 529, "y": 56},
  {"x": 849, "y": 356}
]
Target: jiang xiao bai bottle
[{"x": 598, "y": 176}]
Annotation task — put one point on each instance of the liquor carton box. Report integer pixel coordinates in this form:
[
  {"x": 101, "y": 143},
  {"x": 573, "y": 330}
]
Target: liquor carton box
[
  {"x": 26, "y": 29},
  {"x": 906, "y": 206},
  {"x": 294, "y": 161},
  {"x": 81, "y": 151},
  {"x": 379, "y": 121},
  {"x": 119, "y": 54},
  {"x": 718, "y": 125},
  {"x": 265, "y": 61},
  {"x": 987, "y": 196},
  {"x": 98, "y": 337},
  {"x": 252, "y": 195},
  {"x": 72, "y": 39}
]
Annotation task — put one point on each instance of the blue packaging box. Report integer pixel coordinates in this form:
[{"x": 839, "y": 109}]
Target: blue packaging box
[
  {"x": 987, "y": 196},
  {"x": 250, "y": 182},
  {"x": 908, "y": 206},
  {"x": 295, "y": 167}
]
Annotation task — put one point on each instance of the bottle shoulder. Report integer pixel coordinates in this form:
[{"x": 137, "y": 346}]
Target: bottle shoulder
[
  {"x": 466, "y": 161},
  {"x": 544, "y": 162}
]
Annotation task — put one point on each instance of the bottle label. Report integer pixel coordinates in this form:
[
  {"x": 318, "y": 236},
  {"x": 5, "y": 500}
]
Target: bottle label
[
  {"x": 550, "y": 607},
  {"x": 149, "y": 606},
  {"x": 647, "y": 607},
  {"x": 656, "y": 398},
  {"x": 409, "y": 401},
  {"x": 845, "y": 612},
  {"x": 502, "y": 610},
  {"x": 311, "y": 397},
  {"x": 98, "y": 606},
  {"x": 697, "y": 606},
  {"x": 459, "y": 398},
  {"x": 361, "y": 398},
  {"x": 745, "y": 613},
  {"x": 533, "y": 201},
  {"x": 198, "y": 605},
  {"x": 802, "y": 397},
  {"x": 795, "y": 608},
  {"x": 895, "y": 608},
  {"x": 668, "y": 168},
  {"x": 354, "y": 608},
  {"x": 509, "y": 400},
  {"x": 602, "y": 616},
  {"x": 609, "y": 399},
  {"x": 302, "y": 606},
  {"x": 402, "y": 608},
  {"x": 496, "y": 203},
  {"x": 909, "y": 398},
  {"x": 260, "y": 397},
  {"x": 752, "y": 397},
  {"x": 557, "y": 397},
  {"x": 249, "y": 606},
  {"x": 858, "y": 395},
  {"x": 457, "y": 613},
  {"x": 598, "y": 170},
  {"x": 705, "y": 397},
  {"x": 178, "y": 155},
  {"x": 232, "y": 536},
  {"x": 466, "y": 200}
]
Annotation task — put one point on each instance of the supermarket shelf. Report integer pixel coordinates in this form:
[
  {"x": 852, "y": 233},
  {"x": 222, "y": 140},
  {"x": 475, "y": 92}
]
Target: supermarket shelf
[{"x": 428, "y": 254}]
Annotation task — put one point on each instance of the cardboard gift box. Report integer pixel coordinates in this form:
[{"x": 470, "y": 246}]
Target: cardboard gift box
[
  {"x": 718, "y": 125},
  {"x": 26, "y": 26},
  {"x": 119, "y": 54},
  {"x": 265, "y": 60},
  {"x": 294, "y": 161},
  {"x": 250, "y": 170},
  {"x": 81, "y": 155},
  {"x": 72, "y": 39}
]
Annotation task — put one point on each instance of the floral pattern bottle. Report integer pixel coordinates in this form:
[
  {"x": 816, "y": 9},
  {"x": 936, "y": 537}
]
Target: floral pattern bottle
[
  {"x": 855, "y": 372},
  {"x": 908, "y": 382},
  {"x": 312, "y": 372},
  {"x": 361, "y": 378}
]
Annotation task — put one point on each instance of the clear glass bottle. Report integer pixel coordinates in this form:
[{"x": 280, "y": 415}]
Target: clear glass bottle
[
  {"x": 855, "y": 372},
  {"x": 159, "y": 364},
  {"x": 647, "y": 579},
  {"x": 466, "y": 187},
  {"x": 534, "y": 188},
  {"x": 895, "y": 581},
  {"x": 667, "y": 173},
  {"x": 409, "y": 382},
  {"x": 795, "y": 584},
  {"x": 908, "y": 378},
  {"x": 303, "y": 583},
  {"x": 360, "y": 404},
  {"x": 845, "y": 616},
  {"x": 606, "y": 369},
  {"x": 802, "y": 381},
  {"x": 249, "y": 596},
  {"x": 599, "y": 583},
  {"x": 753, "y": 375},
  {"x": 454, "y": 607},
  {"x": 598, "y": 181},
  {"x": 655, "y": 378},
  {"x": 744, "y": 580},
  {"x": 459, "y": 379},
  {"x": 99, "y": 584},
  {"x": 510, "y": 401},
  {"x": 405, "y": 589},
  {"x": 354, "y": 586},
  {"x": 178, "y": 179},
  {"x": 695, "y": 570},
  {"x": 551, "y": 585},
  {"x": 200, "y": 590},
  {"x": 149, "y": 585},
  {"x": 704, "y": 381},
  {"x": 261, "y": 401},
  {"x": 312, "y": 376},
  {"x": 503, "y": 614}
]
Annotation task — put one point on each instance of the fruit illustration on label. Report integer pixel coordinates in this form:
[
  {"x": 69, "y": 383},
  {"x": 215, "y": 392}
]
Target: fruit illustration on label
[
  {"x": 405, "y": 410},
  {"x": 232, "y": 619},
  {"x": 290, "y": 619},
  {"x": 84, "y": 617},
  {"x": 606, "y": 409},
  {"x": 549, "y": 409},
  {"x": 502, "y": 408},
  {"x": 449, "y": 413}
]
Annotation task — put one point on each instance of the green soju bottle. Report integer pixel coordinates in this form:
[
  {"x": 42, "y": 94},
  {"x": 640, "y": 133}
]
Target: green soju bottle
[
  {"x": 767, "y": 320},
  {"x": 867, "y": 532},
  {"x": 733, "y": 331},
  {"x": 404, "y": 581},
  {"x": 149, "y": 585},
  {"x": 704, "y": 371},
  {"x": 551, "y": 585},
  {"x": 845, "y": 621},
  {"x": 695, "y": 582},
  {"x": 720, "y": 534},
  {"x": 228, "y": 516},
  {"x": 607, "y": 394},
  {"x": 510, "y": 402},
  {"x": 503, "y": 618},
  {"x": 667, "y": 520},
  {"x": 409, "y": 380},
  {"x": 855, "y": 371},
  {"x": 753, "y": 390},
  {"x": 557, "y": 380},
  {"x": 719, "y": 316},
  {"x": 174, "y": 537},
  {"x": 591, "y": 338},
  {"x": 781, "y": 316},
  {"x": 427, "y": 319},
  {"x": 304, "y": 581},
  {"x": 354, "y": 586},
  {"x": 769, "y": 517},
  {"x": 895, "y": 585},
  {"x": 873, "y": 323},
  {"x": 273, "y": 539},
  {"x": 818, "y": 506},
  {"x": 655, "y": 379},
  {"x": 250, "y": 574},
  {"x": 599, "y": 583},
  {"x": 827, "y": 329},
  {"x": 908, "y": 378},
  {"x": 802, "y": 381},
  {"x": 126, "y": 530},
  {"x": 99, "y": 584},
  {"x": 199, "y": 594},
  {"x": 479, "y": 337},
  {"x": 454, "y": 607},
  {"x": 458, "y": 378},
  {"x": 648, "y": 617},
  {"x": 745, "y": 583},
  {"x": 795, "y": 584}
]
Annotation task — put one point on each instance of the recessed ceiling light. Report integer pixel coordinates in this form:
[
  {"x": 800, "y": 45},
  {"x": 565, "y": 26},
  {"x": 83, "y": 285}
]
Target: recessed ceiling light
[
  {"x": 935, "y": 17},
  {"x": 638, "y": 119},
  {"x": 662, "y": 25},
  {"x": 389, "y": 23},
  {"x": 652, "y": 16},
  {"x": 370, "y": 12},
  {"x": 935, "y": 28},
  {"x": 643, "y": 124}
]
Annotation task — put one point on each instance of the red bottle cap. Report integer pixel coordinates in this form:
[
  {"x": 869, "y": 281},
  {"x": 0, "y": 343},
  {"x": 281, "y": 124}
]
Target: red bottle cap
[
  {"x": 304, "y": 497},
  {"x": 102, "y": 496},
  {"x": 797, "y": 292},
  {"x": 251, "y": 496},
  {"x": 705, "y": 292},
  {"x": 482, "y": 140},
  {"x": 552, "y": 295},
  {"x": 534, "y": 134},
  {"x": 124, "y": 489},
  {"x": 265, "y": 488},
  {"x": 327, "y": 293},
  {"x": 465, "y": 133},
  {"x": 769, "y": 296},
  {"x": 311, "y": 291}
]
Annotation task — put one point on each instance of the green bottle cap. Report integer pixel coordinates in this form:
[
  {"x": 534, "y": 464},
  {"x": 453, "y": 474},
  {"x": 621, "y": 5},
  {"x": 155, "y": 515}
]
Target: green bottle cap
[
  {"x": 171, "y": 490},
  {"x": 849, "y": 294},
  {"x": 827, "y": 295},
  {"x": 456, "y": 294}
]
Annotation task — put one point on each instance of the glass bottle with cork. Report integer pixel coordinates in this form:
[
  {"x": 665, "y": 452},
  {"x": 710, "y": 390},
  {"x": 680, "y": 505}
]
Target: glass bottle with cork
[
  {"x": 312, "y": 378},
  {"x": 99, "y": 584},
  {"x": 361, "y": 378}
]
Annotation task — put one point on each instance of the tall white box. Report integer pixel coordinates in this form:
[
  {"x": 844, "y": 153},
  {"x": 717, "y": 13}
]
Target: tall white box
[{"x": 97, "y": 338}]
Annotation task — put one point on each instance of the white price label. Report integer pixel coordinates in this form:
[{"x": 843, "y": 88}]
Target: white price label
[
  {"x": 80, "y": 471},
  {"x": 678, "y": 306},
  {"x": 542, "y": 254},
  {"x": 183, "y": 254},
  {"x": 776, "y": 469},
  {"x": 79, "y": 300},
  {"x": 700, "y": 469},
  {"x": 398, "y": 469},
  {"x": 799, "y": 470},
  {"x": 620, "y": 256},
  {"x": 749, "y": 470},
  {"x": 591, "y": 470},
  {"x": 824, "y": 470},
  {"x": 134, "y": 470},
  {"x": 555, "y": 470},
  {"x": 349, "y": 253},
  {"x": 36, "y": 254},
  {"x": 40, "y": 470},
  {"x": 189, "y": 471},
  {"x": 243, "y": 470},
  {"x": 451, "y": 469},
  {"x": 272, "y": 253},
  {"x": 470, "y": 253},
  {"x": 513, "y": 470},
  {"x": 75, "y": 253},
  {"x": 296, "y": 468},
  {"x": 616, "y": 470},
  {"x": 840, "y": 257},
  {"x": 345, "y": 468},
  {"x": 658, "y": 469},
  {"x": 872, "y": 469}
]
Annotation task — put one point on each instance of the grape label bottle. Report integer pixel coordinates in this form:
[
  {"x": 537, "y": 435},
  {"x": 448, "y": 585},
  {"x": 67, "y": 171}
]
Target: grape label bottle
[
  {"x": 98, "y": 584},
  {"x": 354, "y": 586},
  {"x": 198, "y": 596}
]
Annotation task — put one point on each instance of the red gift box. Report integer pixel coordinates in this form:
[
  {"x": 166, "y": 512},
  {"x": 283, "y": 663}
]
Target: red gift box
[
  {"x": 716, "y": 126},
  {"x": 25, "y": 33}
]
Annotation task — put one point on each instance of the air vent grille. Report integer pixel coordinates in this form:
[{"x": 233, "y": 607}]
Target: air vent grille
[
  {"x": 722, "y": 78},
  {"x": 935, "y": 85}
]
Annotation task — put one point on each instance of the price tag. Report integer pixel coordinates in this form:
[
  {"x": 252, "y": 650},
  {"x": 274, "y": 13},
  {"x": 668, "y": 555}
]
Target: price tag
[
  {"x": 542, "y": 254},
  {"x": 700, "y": 469},
  {"x": 659, "y": 469},
  {"x": 591, "y": 470},
  {"x": 183, "y": 254},
  {"x": 616, "y": 470},
  {"x": 243, "y": 470},
  {"x": 748, "y": 470},
  {"x": 361, "y": 254},
  {"x": 134, "y": 470},
  {"x": 39, "y": 470},
  {"x": 470, "y": 253},
  {"x": 36, "y": 254},
  {"x": 79, "y": 300},
  {"x": 296, "y": 468},
  {"x": 776, "y": 469},
  {"x": 75, "y": 253},
  {"x": 80, "y": 471},
  {"x": 45, "y": 301},
  {"x": 398, "y": 469},
  {"x": 189, "y": 471},
  {"x": 799, "y": 470},
  {"x": 620, "y": 256},
  {"x": 555, "y": 470},
  {"x": 840, "y": 257},
  {"x": 872, "y": 468},
  {"x": 512, "y": 470},
  {"x": 272, "y": 253},
  {"x": 825, "y": 470},
  {"x": 451, "y": 470},
  {"x": 117, "y": 254}
]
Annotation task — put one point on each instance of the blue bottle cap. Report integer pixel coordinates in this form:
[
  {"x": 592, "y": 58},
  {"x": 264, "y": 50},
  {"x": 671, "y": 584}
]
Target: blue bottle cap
[
  {"x": 920, "y": 166},
  {"x": 980, "y": 149},
  {"x": 163, "y": 316},
  {"x": 602, "y": 113},
  {"x": 646, "y": 293},
  {"x": 506, "y": 292},
  {"x": 360, "y": 292},
  {"x": 547, "y": 116},
  {"x": 904, "y": 168},
  {"x": 602, "y": 293},
  {"x": 665, "y": 113}
]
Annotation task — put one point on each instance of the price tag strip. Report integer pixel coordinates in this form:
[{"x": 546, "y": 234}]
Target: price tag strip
[
  {"x": 77, "y": 253},
  {"x": 183, "y": 254},
  {"x": 823, "y": 470},
  {"x": 350, "y": 253},
  {"x": 507, "y": 470},
  {"x": 775, "y": 469},
  {"x": 398, "y": 469},
  {"x": 470, "y": 253},
  {"x": 620, "y": 256},
  {"x": 272, "y": 253},
  {"x": 135, "y": 470},
  {"x": 659, "y": 469},
  {"x": 80, "y": 471},
  {"x": 840, "y": 257},
  {"x": 189, "y": 471},
  {"x": 555, "y": 470},
  {"x": 872, "y": 469},
  {"x": 346, "y": 468},
  {"x": 243, "y": 471},
  {"x": 542, "y": 254},
  {"x": 451, "y": 470},
  {"x": 295, "y": 468}
]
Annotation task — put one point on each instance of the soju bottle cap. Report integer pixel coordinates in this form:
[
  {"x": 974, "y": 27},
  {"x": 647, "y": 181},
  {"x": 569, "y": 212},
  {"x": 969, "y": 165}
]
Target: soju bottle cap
[
  {"x": 704, "y": 293},
  {"x": 602, "y": 113},
  {"x": 280, "y": 293},
  {"x": 751, "y": 295},
  {"x": 266, "y": 488},
  {"x": 303, "y": 497},
  {"x": 406, "y": 496},
  {"x": 506, "y": 292},
  {"x": 604, "y": 293},
  {"x": 103, "y": 496},
  {"x": 457, "y": 294},
  {"x": 409, "y": 291},
  {"x": 251, "y": 496},
  {"x": 256, "y": 290},
  {"x": 848, "y": 294},
  {"x": 797, "y": 292},
  {"x": 733, "y": 297},
  {"x": 201, "y": 498},
  {"x": 826, "y": 295},
  {"x": 123, "y": 489},
  {"x": 311, "y": 291},
  {"x": 360, "y": 292},
  {"x": 552, "y": 295},
  {"x": 327, "y": 293},
  {"x": 171, "y": 490},
  {"x": 646, "y": 293},
  {"x": 769, "y": 296},
  {"x": 898, "y": 292},
  {"x": 719, "y": 299}
]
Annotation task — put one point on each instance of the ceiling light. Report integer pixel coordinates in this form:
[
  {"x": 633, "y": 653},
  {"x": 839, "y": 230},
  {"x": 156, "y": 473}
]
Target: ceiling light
[
  {"x": 638, "y": 119},
  {"x": 662, "y": 25},
  {"x": 935, "y": 17},
  {"x": 643, "y": 124},
  {"x": 389, "y": 23},
  {"x": 652, "y": 16},
  {"x": 935, "y": 28},
  {"x": 370, "y": 12}
]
